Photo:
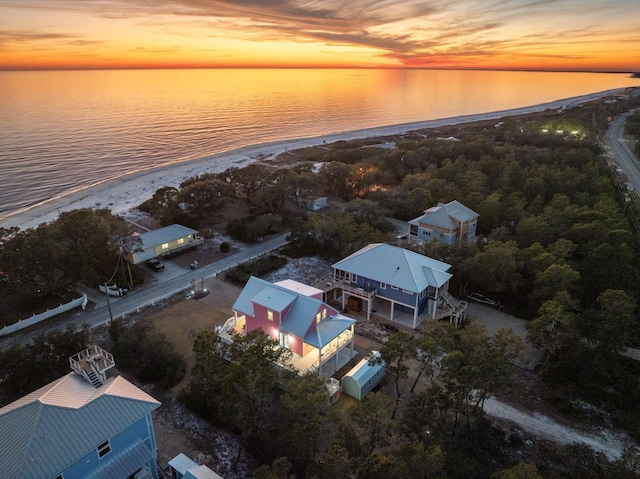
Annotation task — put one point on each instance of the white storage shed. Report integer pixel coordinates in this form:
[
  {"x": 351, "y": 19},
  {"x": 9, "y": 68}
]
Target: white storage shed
[{"x": 363, "y": 377}]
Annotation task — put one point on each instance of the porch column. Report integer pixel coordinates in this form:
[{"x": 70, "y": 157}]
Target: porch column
[
  {"x": 352, "y": 340},
  {"x": 369, "y": 301},
  {"x": 415, "y": 316},
  {"x": 391, "y": 310},
  {"x": 320, "y": 362}
]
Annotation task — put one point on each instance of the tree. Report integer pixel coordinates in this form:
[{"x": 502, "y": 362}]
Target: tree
[
  {"x": 206, "y": 196},
  {"x": 554, "y": 326},
  {"x": 522, "y": 470},
  {"x": 616, "y": 321},
  {"x": 374, "y": 420},
  {"x": 304, "y": 421},
  {"x": 496, "y": 268},
  {"x": 394, "y": 355},
  {"x": 554, "y": 279}
]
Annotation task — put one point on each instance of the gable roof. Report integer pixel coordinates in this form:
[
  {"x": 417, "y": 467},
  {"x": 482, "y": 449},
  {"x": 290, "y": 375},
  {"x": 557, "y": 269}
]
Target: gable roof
[
  {"x": 396, "y": 267},
  {"x": 300, "y": 319},
  {"x": 446, "y": 216},
  {"x": 164, "y": 235},
  {"x": 54, "y": 426}
]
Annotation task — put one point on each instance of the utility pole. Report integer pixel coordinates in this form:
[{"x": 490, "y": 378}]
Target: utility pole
[{"x": 106, "y": 291}]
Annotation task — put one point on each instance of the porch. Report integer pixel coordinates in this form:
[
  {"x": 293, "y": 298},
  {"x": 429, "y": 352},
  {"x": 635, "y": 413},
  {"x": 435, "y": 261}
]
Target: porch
[{"x": 325, "y": 361}]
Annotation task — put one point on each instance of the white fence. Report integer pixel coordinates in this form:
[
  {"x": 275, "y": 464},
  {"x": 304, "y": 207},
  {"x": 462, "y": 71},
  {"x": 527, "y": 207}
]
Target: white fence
[{"x": 36, "y": 318}]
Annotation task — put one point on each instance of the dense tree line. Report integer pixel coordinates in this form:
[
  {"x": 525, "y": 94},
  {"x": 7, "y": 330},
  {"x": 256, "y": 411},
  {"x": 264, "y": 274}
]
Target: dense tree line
[
  {"x": 25, "y": 368},
  {"x": 431, "y": 425},
  {"x": 40, "y": 267}
]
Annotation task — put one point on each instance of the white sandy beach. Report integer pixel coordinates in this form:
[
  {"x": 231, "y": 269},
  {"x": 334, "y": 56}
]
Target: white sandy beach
[{"x": 126, "y": 193}]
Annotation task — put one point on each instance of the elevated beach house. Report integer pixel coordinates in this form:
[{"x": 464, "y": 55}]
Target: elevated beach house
[
  {"x": 451, "y": 223},
  {"x": 398, "y": 284},
  {"x": 81, "y": 425},
  {"x": 293, "y": 313},
  {"x": 161, "y": 242}
]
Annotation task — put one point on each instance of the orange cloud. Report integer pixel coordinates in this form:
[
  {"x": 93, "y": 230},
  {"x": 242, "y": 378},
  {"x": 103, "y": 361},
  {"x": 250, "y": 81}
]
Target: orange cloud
[{"x": 512, "y": 34}]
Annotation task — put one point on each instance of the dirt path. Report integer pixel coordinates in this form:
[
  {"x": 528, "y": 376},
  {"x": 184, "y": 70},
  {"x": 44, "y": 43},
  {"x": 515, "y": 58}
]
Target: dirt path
[{"x": 608, "y": 442}]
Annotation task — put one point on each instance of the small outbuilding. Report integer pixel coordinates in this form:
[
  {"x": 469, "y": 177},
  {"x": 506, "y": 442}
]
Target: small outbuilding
[{"x": 364, "y": 376}]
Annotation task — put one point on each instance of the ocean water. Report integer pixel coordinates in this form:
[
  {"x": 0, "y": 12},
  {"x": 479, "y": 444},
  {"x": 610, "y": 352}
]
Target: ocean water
[{"x": 63, "y": 131}]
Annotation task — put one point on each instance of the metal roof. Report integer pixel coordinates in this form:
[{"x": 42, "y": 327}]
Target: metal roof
[
  {"x": 300, "y": 319},
  {"x": 327, "y": 330},
  {"x": 182, "y": 463},
  {"x": 298, "y": 287},
  {"x": 164, "y": 235},
  {"x": 47, "y": 430},
  {"x": 396, "y": 266},
  {"x": 364, "y": 370},
  {"x": 446, "y": 216},
  {"x": 201, "y": 472}
]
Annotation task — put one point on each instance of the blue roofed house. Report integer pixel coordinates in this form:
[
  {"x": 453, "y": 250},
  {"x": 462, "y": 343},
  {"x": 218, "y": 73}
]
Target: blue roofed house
[
  {"x": 451, "y": 223},
  {"x": 82, "y": 425},
  {"x": 398, "y": 284},
  {"x": 293, "y": 313}
]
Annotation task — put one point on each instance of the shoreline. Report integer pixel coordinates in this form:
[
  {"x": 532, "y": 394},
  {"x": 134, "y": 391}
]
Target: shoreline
[{"x": 127, "y": 192}]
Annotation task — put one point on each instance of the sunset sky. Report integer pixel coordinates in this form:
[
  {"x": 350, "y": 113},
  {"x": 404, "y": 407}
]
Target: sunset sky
[{"x": 596, "y": 35}]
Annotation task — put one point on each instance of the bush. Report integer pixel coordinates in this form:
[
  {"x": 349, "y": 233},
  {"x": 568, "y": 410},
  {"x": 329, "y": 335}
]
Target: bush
[
  {"x": 261, "y": 266},
  {"x": 224, "y": 247},
  {"x": 253, "y": 227},
  {"x": 146, "y": 353}
]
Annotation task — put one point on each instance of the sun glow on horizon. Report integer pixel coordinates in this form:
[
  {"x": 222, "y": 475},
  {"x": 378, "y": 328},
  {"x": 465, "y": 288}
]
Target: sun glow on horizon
[{"x": 459, "y": 34}]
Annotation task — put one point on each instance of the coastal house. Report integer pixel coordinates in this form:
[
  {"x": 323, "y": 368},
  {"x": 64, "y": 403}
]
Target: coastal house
[
  {"x": 81, "y": 425},
  {"x": 398, "y": 284},
  {"x": 314, "y": 203},
  {"x": 451, "y": 223},
  {"x": 161, "y": 242},
  {"x": 294, "y": 315}
]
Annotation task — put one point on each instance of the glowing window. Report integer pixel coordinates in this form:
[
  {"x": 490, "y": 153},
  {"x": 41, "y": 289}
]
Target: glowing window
[
  {"x": 269, "y": 315},
  {"x": 180, "y": 240},
  {"x": 165, "y": 246}
]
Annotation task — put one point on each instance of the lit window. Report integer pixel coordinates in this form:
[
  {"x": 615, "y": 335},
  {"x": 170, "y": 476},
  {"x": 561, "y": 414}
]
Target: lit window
[
  {"x": 318, "y": 317},
  {"x": 324, "y": 313},
  {"x": 165, "y": 246},
  {"x": 104, "y": 449},
  {"x": 269, "y": 315},
  {"x": 180, "y": 240}
]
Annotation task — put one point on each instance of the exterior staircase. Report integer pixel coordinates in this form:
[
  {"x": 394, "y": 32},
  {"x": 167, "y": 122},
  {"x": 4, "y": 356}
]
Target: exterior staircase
[{"x": 455, "y": 309}]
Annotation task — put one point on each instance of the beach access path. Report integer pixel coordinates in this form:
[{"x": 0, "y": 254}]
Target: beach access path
[{"x": 176, "y": 281}]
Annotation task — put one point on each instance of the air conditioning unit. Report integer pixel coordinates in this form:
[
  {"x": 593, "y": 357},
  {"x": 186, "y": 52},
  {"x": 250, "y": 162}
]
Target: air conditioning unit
[{"x": 143, "y": 473}]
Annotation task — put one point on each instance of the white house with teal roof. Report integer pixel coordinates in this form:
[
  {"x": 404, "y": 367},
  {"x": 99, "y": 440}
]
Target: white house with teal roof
[
  {"x": 451, "y": 223},
  {"x": 82, "y": 425},
  {"x": 406, "y": 285}
]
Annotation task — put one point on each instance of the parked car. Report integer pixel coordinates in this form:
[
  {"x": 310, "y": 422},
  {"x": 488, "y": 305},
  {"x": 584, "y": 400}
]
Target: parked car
[
  {"x": 155, "y": 264},
  {"x": 478, "y": 298}
]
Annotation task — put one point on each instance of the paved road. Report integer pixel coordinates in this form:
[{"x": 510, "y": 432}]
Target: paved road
[
  {"x": 618, "y": 147},
  {"x": 172, "y": 283}
]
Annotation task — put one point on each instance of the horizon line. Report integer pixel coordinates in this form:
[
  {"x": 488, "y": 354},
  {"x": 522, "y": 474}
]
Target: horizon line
[{"x": 140, "y": 67}]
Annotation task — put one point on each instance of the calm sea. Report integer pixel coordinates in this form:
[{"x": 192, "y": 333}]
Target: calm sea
[{"x": 66, "y": 130}]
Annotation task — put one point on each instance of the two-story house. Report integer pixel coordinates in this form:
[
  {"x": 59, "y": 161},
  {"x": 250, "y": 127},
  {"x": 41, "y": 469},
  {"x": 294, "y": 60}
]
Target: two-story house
[
  {"x": 294, "y": 314},
  {"x": 402, "y": 282},
  {"x": 83, "y": 425},
  {"x": 451, "y": 223}
]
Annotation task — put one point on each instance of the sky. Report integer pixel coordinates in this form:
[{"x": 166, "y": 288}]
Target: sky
[{"x": 568, "y": 35}]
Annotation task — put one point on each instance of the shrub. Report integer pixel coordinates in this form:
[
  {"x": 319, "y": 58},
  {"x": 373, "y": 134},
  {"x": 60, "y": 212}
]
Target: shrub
[
  {"x": 224, "y": 247},
  {"x": 261, "y": 266}
]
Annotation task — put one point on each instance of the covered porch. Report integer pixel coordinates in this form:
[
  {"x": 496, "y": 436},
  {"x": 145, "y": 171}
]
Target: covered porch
[{"x": 323, "y": 361}]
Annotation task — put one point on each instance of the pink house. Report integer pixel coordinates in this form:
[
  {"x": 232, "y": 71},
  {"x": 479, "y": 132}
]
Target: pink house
[{"x": 294, "y": 315}]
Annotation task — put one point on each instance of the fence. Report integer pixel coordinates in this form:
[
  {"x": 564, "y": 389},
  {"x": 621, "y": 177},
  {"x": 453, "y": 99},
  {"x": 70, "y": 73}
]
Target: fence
[{"x": 36, "y": 318}]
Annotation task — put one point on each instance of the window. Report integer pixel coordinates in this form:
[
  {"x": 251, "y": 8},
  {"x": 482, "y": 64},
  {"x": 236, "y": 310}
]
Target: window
[
  {"x": 104, "y": 449},
  {"x": 354, "y": 278},
  {"x": 407, "y": 292},
  {"x": 165, "y": 246},
  {"x": 324, "y": 313},
  {"x": 383, "y": 285},
  {"x": 318, "y": 317},
  {"x": 180, "y": 240},
  {"x": 269, "y": 315},
  {"x": 394, "y": 287}
]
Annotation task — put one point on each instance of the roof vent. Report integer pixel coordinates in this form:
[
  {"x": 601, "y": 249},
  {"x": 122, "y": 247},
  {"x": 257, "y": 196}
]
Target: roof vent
[{"x": 92, "y": 364}]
